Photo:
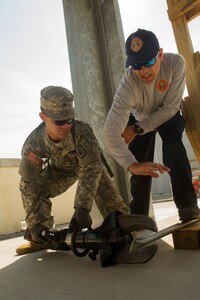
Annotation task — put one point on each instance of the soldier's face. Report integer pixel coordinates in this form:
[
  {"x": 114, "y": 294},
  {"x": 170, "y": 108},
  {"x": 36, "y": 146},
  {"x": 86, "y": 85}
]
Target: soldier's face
[{"x": 56, "y": 132}]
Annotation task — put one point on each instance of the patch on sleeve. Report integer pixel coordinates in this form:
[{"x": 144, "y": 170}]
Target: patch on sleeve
[
  {"x": 34, "y": 158},
  {"x": 162, "y": 85},
  {"x": 80, "y": 151}
]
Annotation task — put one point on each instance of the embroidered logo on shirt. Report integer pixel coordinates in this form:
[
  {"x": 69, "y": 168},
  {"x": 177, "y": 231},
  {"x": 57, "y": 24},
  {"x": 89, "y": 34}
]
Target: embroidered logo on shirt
[
  {"x": 136, "y": 44},
  {"x": 34, "y": 158},
  {"x": 162, "y": 85},
  {"x": 81, "y": 151}
]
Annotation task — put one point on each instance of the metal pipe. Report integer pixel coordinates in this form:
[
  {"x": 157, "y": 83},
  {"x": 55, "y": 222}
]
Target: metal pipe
[{"x": 150, "y": 238}]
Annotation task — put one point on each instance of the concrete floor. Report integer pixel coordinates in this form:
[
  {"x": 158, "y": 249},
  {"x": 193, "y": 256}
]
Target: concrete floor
[{"x": 170, "y": 275}]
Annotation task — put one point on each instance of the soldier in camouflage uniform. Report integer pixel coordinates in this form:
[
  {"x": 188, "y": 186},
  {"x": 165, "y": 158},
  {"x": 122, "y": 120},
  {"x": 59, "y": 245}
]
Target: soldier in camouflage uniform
[{"x": 59, "y": 152}]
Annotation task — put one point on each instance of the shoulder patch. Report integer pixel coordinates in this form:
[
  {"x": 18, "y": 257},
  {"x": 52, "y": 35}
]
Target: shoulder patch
[
  {"x": 80, "y": 151},
  {"x": 34, "y": 158},
  {"x": 162, "y": 85}
]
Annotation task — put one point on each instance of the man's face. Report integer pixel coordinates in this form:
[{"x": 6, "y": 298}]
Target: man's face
[
  {"x": 147, "y": 75},
  {"x": 56, "y": 132}
]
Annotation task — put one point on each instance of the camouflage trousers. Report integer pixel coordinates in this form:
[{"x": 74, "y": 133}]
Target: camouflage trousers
[{"x": 38, "y": 209}]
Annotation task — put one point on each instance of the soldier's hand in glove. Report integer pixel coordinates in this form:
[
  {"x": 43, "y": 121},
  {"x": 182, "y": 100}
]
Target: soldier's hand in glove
[
  {"x": 80, "y": 219},
  {"x": 36, "y": 233}
]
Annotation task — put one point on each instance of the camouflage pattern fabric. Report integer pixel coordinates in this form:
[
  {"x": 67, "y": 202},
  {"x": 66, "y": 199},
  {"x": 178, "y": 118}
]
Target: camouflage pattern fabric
[
  {"x": 76, "y": 158},
  {"x": 57, "y": 103}
]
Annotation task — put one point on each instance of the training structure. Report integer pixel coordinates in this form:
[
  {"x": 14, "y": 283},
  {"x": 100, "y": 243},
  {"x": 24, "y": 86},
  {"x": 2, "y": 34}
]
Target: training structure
[{"x": 180, "y": 13}]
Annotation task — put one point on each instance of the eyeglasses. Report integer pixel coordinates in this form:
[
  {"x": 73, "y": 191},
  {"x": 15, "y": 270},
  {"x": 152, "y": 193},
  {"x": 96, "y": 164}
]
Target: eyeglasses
[
  {"x": 63, "y": 122},
  {"x": 147, "y": 64}
]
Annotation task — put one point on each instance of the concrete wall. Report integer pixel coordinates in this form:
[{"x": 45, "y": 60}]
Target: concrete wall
[{"x": 11, "y": 209}]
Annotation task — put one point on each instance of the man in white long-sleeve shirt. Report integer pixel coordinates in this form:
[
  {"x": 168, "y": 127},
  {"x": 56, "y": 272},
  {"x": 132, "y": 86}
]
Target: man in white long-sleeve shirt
[{"x": 147, "y": 101}]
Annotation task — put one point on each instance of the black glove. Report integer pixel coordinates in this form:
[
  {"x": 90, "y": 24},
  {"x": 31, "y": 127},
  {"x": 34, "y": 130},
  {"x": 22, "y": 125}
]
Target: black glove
[
  {"x": 36, "y": 235},
  {"x": 80, "y": 219}
]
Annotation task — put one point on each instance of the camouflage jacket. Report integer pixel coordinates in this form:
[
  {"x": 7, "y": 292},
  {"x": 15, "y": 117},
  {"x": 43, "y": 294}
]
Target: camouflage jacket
[{"x": 78, "y": 155}]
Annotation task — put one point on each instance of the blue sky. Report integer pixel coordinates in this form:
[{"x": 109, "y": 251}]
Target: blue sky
[{"x": 34, "y": 54}]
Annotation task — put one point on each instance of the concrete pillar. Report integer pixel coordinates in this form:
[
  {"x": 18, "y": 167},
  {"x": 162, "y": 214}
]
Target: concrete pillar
[{"x": 97, "y": 59}]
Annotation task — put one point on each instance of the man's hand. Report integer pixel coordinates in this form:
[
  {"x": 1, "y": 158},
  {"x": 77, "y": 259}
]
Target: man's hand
[
  {"x": 148, "y": 168},
  {"x": 128, "y": 134},
  {"x": 80, "y": 219}
]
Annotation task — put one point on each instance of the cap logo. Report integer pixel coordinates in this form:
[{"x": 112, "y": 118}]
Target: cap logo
[{"x": 136, "y": 44}]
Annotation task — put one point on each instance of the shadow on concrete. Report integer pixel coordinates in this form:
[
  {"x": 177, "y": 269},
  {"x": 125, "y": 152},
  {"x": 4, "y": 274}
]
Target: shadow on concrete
[{"x": 171, "y": 275}]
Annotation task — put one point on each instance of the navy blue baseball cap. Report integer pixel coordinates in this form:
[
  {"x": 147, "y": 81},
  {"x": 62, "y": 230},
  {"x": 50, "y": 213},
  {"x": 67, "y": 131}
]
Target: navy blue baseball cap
[{"x": 141, "y": 46}]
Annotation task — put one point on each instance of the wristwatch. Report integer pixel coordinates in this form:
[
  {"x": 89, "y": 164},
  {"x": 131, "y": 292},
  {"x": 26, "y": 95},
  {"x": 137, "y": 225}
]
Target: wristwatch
[{"x": 138, "y": 130}]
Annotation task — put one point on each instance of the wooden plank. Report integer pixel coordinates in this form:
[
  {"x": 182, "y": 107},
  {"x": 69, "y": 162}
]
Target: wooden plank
[
  {"x": 187, "y": 238},
  {"x": 183, "y": 7},
  {"x": 180, "y": 12}
]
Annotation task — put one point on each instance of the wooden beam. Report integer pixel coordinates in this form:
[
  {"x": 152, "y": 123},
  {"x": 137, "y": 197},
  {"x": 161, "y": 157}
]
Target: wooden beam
[
  {"x": 187, "y": 238},
  {"x": 178, "y": 8},
  {"x": 180, "y": 12}
]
